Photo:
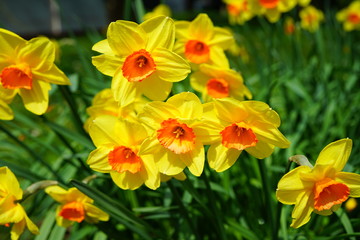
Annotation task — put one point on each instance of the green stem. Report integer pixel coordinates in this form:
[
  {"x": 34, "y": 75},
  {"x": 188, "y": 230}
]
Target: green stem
[
  {"x": 182, "y": 208},
  {"x": 32, "y": 153},
  {"x": 73, "y": 107},
  {"x": 218, "y": 216},
  {"x": 127, "y": 10},
  {"x": 279, "y": 208},
  {"x": 139, "y": 10},
  {"x": 266, "y": 188}
]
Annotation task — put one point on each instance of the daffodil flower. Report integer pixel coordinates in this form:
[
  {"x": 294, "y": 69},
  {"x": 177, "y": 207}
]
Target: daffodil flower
[
  {"x": 118, "y": 142},
  {"x": 320, "y": 188},
  {"x": 27, "y": 68},
  {"x": 350, "y": 16},
  {"x": 242, "y": 125},
  {"x": 11, "y": 211},
  {"x": 140, "y": 59},
  {"x": 74, "y": 207},
  {"x": 311, "y": 18},
  {"x": 179, "y": 134},
  {"x": 200, "y": 42},
  {"x": 104, "y": 103},
  {"x": 216, "y": 82},
  {"x": 272, "y": 9},
  {"x": 238, "y": 11}
]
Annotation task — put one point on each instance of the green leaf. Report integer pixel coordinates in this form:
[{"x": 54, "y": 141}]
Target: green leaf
[
  {"x": 46, "y": 226},
  {"x": 116, "y": 210},
  {"x": 344, "y": 219},
  {"x": 245, "y": 232}
]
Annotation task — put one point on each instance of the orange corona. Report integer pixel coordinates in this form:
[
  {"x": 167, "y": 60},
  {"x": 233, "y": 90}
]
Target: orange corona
[
  {"x": 176, "y": 137},
  {"x": 197, "y": 51},
  {"x": 16, "y": 76},
  {"x": 238, "y": 136},
  {"x": 138, "y": 66},
  {"x": 123, "y": 159}
]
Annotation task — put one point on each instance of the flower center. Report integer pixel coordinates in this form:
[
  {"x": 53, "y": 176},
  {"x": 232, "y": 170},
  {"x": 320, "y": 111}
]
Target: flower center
[
  {"x": 237, "y": 8},
  {"x": 217, "y": 88},
  {"x": 16, "y": 76},
  {"x": 328, "y": 193},
  {"x": 123, "y": 159},
  {"x": 269, "y": 3},
  {"x": 238, "y": 136},
  {"x": 138, "y": 66},
  {"x": 354, "y": 18},
  {"x": 73, "y": 211},
  {"x": 175, "y": 136},
  {"x": 197, "y": 51}
]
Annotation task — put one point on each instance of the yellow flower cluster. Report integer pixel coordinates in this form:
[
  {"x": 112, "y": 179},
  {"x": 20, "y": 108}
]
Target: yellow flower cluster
[{"x": 141, "y": 145}]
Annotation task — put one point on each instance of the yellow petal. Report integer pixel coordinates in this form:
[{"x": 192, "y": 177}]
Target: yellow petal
[
  {"x": 5, "y": 111},
  {"x": 107, "y": 64},
  {"x": 170, "y": 66},
  {"x": 17, "y": 229},
  {"x": 98, "y": 159},
  {"x": 195, "y": 159},
  {"x": 188, "y": 104},
  {"x": 103, "y": 47},
  {"x": 125, "y": 37},
  {"x": 270, "y": 135},
  {"x": 352, "y": 180},
  {"x": 222, "y": 38},
  {"x": 57, "y": 193},
  {"x": 218, "y": 57},
  {"x": 154, "y": 88},
  {"x": 201, "y": 28},
  {"x": 261, "y": 150},
  {"x": 31, "y": 226},
  {"x": 302, "y": 210},
  {"x": 94, "y": 214},
  {"x": 182, "y": 29},
  {"x": 125, "y": 92},
  {"x": 52, "y": 75},
  {"x": 160, "y": 31},
  {"x": 168, "y": 162},
  {"x": 208, "y": 131},
  {"x": 263, "y": 112},
  {"x": 9, "y": 183},
  {"x": 36, "y": 100},
  {"x": 221, "y": 158},
  {"x": 198, "y": 81},
  {"x": 290, "y": 185},
  {"x": 10, "y": 212},
  {"x": 39, "y": 53},
  {"x": 230, "y": 110},
  {"x": 127, "y": 180},
  {"x": 156, "y": 112},
  {"x": 150, "y": 173},
  {"x": 9, "y": 41},
  {"x": 149, "y": 145},
  {"x": 103, "y": 131},
  {"x": 335, "y": 154}
]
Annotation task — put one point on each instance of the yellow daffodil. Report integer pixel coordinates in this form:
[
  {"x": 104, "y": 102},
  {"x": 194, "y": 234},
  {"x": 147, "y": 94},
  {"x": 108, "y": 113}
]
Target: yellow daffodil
[
  {"x": 118, "y": 142},
  {"x": 289, "y": 26},
  {"x": 242, "y": 125},
  {"x": 140, "y": 59},
  {"x": 104, "y": 104},
  {"x": 272, "y": 9},
  {"x": 159, "y": 10},
  {"x": 311, "y": 18},
  {"x": 238, "y": 11},
  {"x": 320, "y": 188},
  {"x": 11, "y": 211},
  {"x": 27, "y": 68},
  {"x": 304, "y": 2},
  {"x": 200, "y": 42},
  {"x": 74, "y": 207},
  {"x": 350, "y": 16},
  {"x": 179, "y": 134},
  {"x": 215, "y": 82}
]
